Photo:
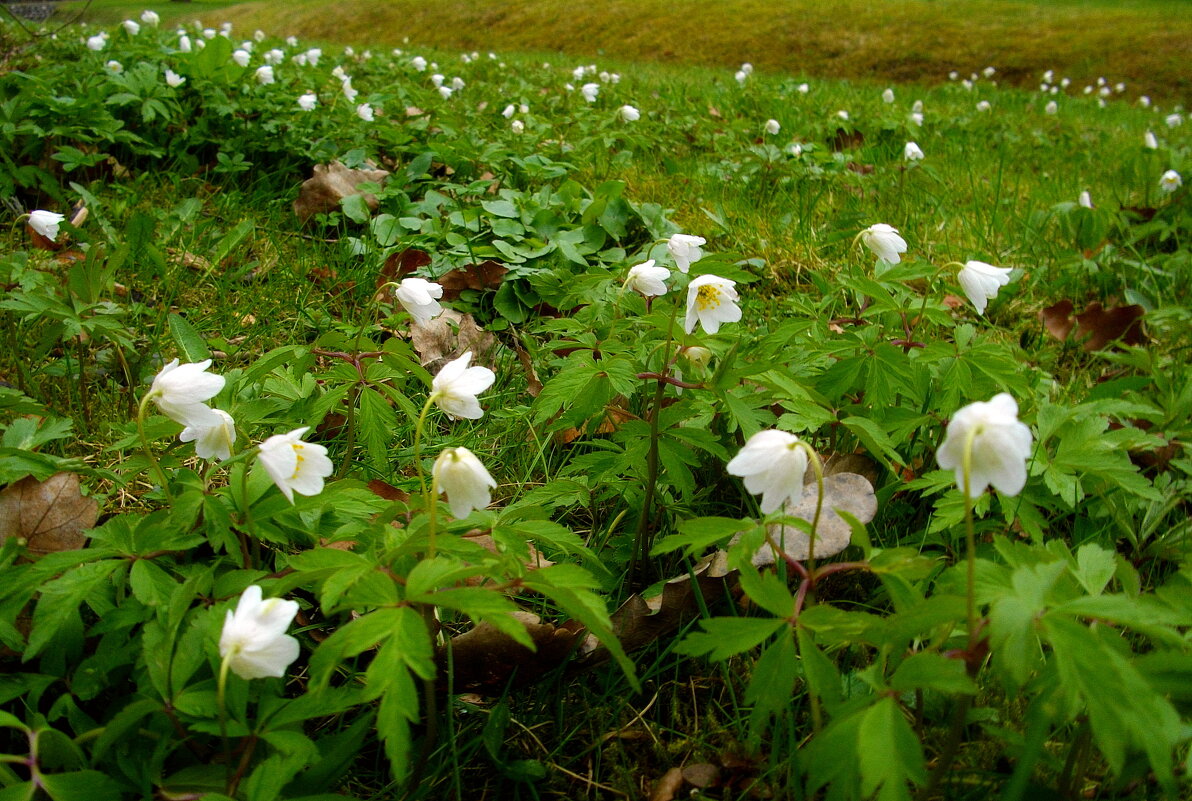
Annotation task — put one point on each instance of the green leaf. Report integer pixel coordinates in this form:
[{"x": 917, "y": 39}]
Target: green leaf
[
  {"x": 889, "y": 753},
  {"x": 356, "y": 208},
  {"x": 771, "y": 684},
  {"x": 768, "y": 591},
  {"x": 83, "y": 785},
  {"x": 358, "y": 635},
  {"x": 820, "y": 673},
  {"x": 698, "y": 533},
  {"x": 723, "y": 637},
  {"x": 932, "y": 671},
  {"x": 190, "y": 343}
]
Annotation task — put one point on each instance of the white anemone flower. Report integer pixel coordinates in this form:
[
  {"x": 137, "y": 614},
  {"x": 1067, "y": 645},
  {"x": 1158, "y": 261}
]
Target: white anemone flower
[
  {"x": 772, "y": 127},
  {"x": 242, "y": 57},
  {"x": 1170, "y": 181},
  {"x": 308, "y": 101},
  {"x": 1085, "y": 200},
  {"x": 884, "y": 241},
  {"x": 254, "y": 639},
  {"x": 1149, "y": 141},
  {"x": 464, "y": 480},
  {"x": 647, "y": 279},
  {"x": 131, "y": 26},
  {"x": 264, "y": 75},
  {"x": 711, "y": 300},
  {"x": 46, "y": 223},
  {"x": 1001, "y": 446},
  {"x": 150, "y": 17},
  {"x": 420, "y": 298},
  {"x": 629, "y": 113},
  {"x": 590, "y": 91},
  {"x": 981, "y": 282},
  {"x": 912, "y": 152},
  {"x": 685, "y": 250},
  {"x": 212, "y": 441},
  {"x": 180, "y": 390},
  {"x": 456, "y": 386},
  {"x": 294, "y": 465},
  {"x": 773, "y": 465},
  {"x": 888, "y": 96},
  {"x": 173, "y": 79},
  {"x": 365, "y": 112}
]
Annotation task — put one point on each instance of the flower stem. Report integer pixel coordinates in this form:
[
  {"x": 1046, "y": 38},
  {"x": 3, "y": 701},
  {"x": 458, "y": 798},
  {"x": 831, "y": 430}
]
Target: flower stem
[
  {"x": 429, "y": 494},
  {"x": 161, "y": 474},
  {"x": 220, "y": 699},
  {"x": 970, "y": 536}
]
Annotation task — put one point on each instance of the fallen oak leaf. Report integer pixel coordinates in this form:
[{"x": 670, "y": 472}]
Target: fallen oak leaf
[
  {"x": 448, "y": 337},
  {"x": 330, "y": 184},
  {"x": 1103, "y": 326},
  {"x": 485, "y": 275},
  {"x": 50, "y": 515},
  {"x": 486, "y": 660}
]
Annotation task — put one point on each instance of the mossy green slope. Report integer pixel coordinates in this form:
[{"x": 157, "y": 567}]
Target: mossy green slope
[{"x": 1147, "y": 45}]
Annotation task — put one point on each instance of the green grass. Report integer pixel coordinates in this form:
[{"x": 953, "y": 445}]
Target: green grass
[{"x": 1142, "y": 43}]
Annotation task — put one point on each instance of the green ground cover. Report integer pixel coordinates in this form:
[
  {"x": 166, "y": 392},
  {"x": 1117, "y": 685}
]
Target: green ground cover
[{"x": 1031, "y": 642}]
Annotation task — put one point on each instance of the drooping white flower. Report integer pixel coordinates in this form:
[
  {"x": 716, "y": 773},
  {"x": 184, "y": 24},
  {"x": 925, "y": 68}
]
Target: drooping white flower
[
  {"x": 264, "y": 75},
  {"x": 888, "y": 96},
  {"x": 988, "y": 72},
  {"x": 419, "y": 297},
  {"x": 981, "y": 281},
  {"x": 590, "y": 91},
  {"x": 150, "y": 17},
  {"x": 1001, "y": 446},
  {"x": 465, "y": 481},
  {"x": 180, "y": 390},
  {"x": 1144, "y": 101},
  {"x": 1051, "y": 108},
  {"x": 437, "y": 80},
  {"x": 1150, "y": 141},
  {"x": 912, "y": 152},
  {"x": 1085, "y": 200},
  {"x": 173, "y": 79},
  {"x": 1173, "y": 120},
  {"x": 518, "y": 127},
  {"x": 294, "y": 465},
  {"x": 629, "y": 113},
  {"x": 209, "y": 33},
  {"x": 509, "y": 111},
  {"x": 747, "y": 68},
  {"x": 212, "y": 441},
  {"x": 313, "y": 55},
  {"x": 803, "y": 88},
  {"x": 711, "y": 300},
  {"x": 274, "y": 56},
  {"x": 953, "y": 75},
  {"x": 685, "y": 250},
  {"x": 258, "y": 35},
  {"x": 242, "y": 57},
  {"x": 254, "y": 639},
  {"x": 46, "y": 223},
  {"x": 773, "y": 465},
  {"x": 445, "y": 92},
  {"x": 842, "y": 114},
  {"x": 967, "y": 84},
  {"x": 741, "y": 76},
  {"x": 184, "y": 44},
  {"x": 292, "y": 41},
  {"x": 131, "y": 27},
  {"x": 884, "y": 241},
  {"x": 984, "y": 105},
  {"x": 308, "y": 101},
  {"x": 457, "y": 83},
  {"x": 456, "y": 386},
  {"x": 365, "y": 112},
  {"x": 418, "y": 63},
  {"x": 114, "y": 67},
  {"x": 916, "y": 118},
  {"x": 772, "y": 127},
  {"x": 349, "y": 91},
  {"x": 647, "y": 279},
  {"x": 1170, "y": 181}
]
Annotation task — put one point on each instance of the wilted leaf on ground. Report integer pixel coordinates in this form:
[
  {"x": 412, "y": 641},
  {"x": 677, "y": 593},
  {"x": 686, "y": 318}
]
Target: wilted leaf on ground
[
  {"x": 485, "y": 275},
  {"x": 615, "y": 414},
  {"x": 1102, "y": 326},
  {"x": 49, "y": 515},
  {"x": 848, "y": 492},
  {"x": 486, "y": 660},
  {"x": 639, "y": 621},
  {"x": 447, "y": 337},
  {"x": 330, "y": 184},
  {"x": 398, "y": 265},
  {"x": 668, "y": 786}
]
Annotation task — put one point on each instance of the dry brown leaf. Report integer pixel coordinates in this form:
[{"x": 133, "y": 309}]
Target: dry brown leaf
[
  {"x": 383, "y": 489},
  {"x": 1103, "y": 326},
  {"x": 398, "y": 265},
  {"x": 485, "y": 660},
  {"x": 848, "y": 492},
  {"x": 702, "y": 774},
  {"x": 533, "y": 383},
  {"x": 447, "y": 337},
  {"x": 714, "y": 112},
  {"x": 614, "y": 415},
  {"x": 846, "y": 140},
  {"x": 668, "y": 786},
  {"x": 1057, "y": 319},
  {"x": 330, "y": 184},
  {"x": 860, "y": 169},
  {"x": 485, "y": 275},
  {"x": 189, "y": 260},
  {"x": 414, "y": 111},
  {"x": 48, "y": 515}
]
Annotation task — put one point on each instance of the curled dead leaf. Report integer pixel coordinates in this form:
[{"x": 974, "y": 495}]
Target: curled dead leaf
[
  {"x": 48, "y": 515},
  {"x": 668, "y": 786},
  {"x": 447, "y": 337},
  {"x": 486, "y": 660},
  {"x": 1057, "y": 319},
  {"x": 1101, "y": 326},
  {"x": 330, "y": 184},
  {"x": 847, "y": 492},
  {"x": 485, "y": 275}
]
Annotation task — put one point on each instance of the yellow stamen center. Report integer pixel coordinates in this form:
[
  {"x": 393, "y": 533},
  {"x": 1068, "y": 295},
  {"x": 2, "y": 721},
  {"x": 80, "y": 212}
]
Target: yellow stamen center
[
  {"x": 298, "y": 446},
  {"x": 707, "y": 297}
]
